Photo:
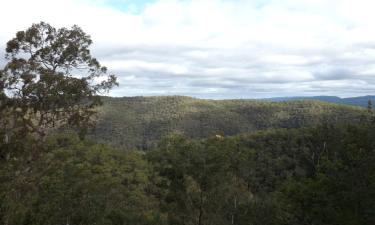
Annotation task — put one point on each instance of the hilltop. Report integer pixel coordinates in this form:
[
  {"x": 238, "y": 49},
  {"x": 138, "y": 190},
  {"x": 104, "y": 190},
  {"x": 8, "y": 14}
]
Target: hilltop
[
  {"x": 139, "y": 122},
  {"x": 354, "y": 101}
]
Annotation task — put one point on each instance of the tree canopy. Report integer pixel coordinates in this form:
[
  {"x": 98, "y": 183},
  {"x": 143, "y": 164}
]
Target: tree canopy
[{"x": 50, "y": 79}]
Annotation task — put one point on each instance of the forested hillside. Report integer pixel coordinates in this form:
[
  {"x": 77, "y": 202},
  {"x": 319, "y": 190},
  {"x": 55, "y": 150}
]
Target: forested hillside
[
  {"x": 139, "y": 122},
  {"x": 322, "y": 175},
  {"x": 354, "y": 101}
]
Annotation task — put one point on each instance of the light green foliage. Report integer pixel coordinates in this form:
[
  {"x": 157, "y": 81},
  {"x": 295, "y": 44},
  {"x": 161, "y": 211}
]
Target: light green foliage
[{"x": 140, "y": 122}]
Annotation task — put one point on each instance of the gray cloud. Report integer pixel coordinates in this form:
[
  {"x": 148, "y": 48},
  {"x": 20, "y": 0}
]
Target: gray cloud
[
  {"x": 243, "y": 75},
  {"x": 224, "y": 49},
  {"x": 335, "y": 74}
]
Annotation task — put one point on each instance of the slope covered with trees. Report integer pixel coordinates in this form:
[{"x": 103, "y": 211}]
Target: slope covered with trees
[
  {"x": 354, "y": 101},
  {"x": 321, "y": 175},
  {"x": 139, "y": 122}
]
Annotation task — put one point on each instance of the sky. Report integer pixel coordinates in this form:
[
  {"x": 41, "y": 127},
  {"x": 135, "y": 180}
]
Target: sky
[{"x": 218, "y": 49}]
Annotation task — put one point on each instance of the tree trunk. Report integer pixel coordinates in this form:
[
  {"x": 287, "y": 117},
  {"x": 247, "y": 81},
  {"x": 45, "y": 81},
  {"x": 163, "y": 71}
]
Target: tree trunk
[{"x": 200, "y": 209}]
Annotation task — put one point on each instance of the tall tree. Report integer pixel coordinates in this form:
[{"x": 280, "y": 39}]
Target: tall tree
[
  {"x": 369, "y": 105},
  {"x": 50, "y": 79}
]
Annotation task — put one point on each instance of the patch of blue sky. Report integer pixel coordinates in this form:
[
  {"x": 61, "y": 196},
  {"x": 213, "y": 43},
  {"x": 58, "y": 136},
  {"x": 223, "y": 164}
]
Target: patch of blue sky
[{"x": 129, "y": 6}]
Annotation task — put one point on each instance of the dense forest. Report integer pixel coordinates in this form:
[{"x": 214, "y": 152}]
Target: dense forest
[
  {"x": 140, "y": 122},
  {"x": 169, "y": 160},
  {"x": 321, "y": 175},
  {"x": 354, "y": 101}
]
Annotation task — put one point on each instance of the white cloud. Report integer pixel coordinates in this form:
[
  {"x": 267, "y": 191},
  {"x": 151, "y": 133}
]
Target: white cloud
[{"x": 221, "y": 48}]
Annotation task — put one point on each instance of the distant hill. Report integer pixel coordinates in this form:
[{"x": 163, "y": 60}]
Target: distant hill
[
  {"x": 139, "y": 122},
  {"x": 355, "y": 101}
]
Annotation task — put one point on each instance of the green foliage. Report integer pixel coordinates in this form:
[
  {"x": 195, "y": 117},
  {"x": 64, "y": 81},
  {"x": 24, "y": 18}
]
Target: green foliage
[
  {"x": 49, "y": 80},
  {"x": 199, "y": 181},
  {"x": 76, "y": 182},
  {"x": 322, "y": 175},
  {"x": 342, "y": 188},
  {"x": 369, "y": 105},
  {"x": 140, "y": 122}
]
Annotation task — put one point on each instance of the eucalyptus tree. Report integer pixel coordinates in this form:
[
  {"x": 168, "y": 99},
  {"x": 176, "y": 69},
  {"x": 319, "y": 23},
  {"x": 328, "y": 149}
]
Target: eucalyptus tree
[{"x": 50, "y": 79}]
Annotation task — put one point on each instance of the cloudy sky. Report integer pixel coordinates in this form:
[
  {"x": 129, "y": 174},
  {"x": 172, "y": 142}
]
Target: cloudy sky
[{"x": 219, "y": 48}]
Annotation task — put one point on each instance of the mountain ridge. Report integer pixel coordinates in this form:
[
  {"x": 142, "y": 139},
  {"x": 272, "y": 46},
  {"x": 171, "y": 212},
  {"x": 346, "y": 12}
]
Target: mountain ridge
[
  {"x": 361, "y": 101},
  {"x": 139, "y": 122}
]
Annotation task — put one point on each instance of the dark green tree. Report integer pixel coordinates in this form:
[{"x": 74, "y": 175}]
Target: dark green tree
[
  {"x": 50, "y": 80},
  {"x": 199, "y": 184},
  {"x": 369, "y": 105},
  {"x": 78, "y": 182}
]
